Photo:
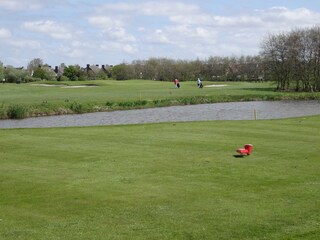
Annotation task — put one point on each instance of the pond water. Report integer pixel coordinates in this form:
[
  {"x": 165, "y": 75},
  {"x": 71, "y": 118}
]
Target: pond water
[{"x": 217, "y": 111}]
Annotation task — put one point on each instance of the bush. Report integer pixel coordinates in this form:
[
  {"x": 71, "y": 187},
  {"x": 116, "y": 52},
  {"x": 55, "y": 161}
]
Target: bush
[
  {"x": 63, "y": 78},
  {"x": 109, "y": 104},
  {"x": 162, "y": 102},
  {"x": 17, "y": 112},
  {"x": 140, "y": 103},
  {"x": 125, "y": 104},
  {"x": 77, "y": 107},
  {"x": 31, "y": 79},
  {"x": 132, "y": 104},
  {"x": 3, "y": 112}
]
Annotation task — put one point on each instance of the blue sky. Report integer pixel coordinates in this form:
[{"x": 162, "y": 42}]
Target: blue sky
[{"x": 112, "y": 32}]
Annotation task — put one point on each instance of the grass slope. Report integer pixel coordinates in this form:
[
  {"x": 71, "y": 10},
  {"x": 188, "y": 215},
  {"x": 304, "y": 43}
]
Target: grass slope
[{"x": 162, "y": 181}]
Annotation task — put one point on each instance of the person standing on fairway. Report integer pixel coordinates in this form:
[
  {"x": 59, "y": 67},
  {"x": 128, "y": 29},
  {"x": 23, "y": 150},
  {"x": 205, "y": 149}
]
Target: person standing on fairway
[
  {"x": 199, "y": 83},
  {"x": 176, "y": 82}
]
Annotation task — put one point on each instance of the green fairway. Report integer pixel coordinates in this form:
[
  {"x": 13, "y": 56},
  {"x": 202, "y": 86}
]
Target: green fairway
[
  {"x": 111, "y": 90},
  {"x": 26, "y": 100},
  {"x": 162, "y": 181}
]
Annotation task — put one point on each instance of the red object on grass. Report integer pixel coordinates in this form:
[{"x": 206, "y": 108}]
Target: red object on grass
[{"x": 246, "y": 150}]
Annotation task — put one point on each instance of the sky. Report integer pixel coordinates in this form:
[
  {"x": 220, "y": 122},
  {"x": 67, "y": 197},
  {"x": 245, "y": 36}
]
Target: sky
[{"x": 113, "y": 32}]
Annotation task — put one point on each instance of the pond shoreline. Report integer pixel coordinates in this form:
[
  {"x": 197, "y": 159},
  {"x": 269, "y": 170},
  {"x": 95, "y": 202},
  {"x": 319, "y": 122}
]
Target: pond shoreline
[{"x": 254, "y": 110}]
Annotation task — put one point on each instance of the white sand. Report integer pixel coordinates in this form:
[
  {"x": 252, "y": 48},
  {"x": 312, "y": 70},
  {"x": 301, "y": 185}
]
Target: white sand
[
  {"x": 45, "y": 85},
  {"x": 220, "y": 85},
  {"x": 62, "y": 86},
  {"x": 82, "y": 86}
]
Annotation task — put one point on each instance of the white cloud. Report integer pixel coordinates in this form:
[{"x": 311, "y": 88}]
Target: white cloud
[
  {"x": 105, "y": 21},
  {"x": 128, "y": 48},
  {"x": 116, "y": 7},
  {"x": 49, "y": 28},
  {"x": 272, "y": 18},
  {"x": 115, "y": 26},
  {"x": 71, "y": 52},
  {"x": 112, "y": 28},
  {"x": 5, "y": 33},
  {"x": 145, "y": 28},
  {"x": 193, "y": 19},
  {"x": 281, "y": 18},
  {"x": 167, "y": 8},
  {"x": 150, "y": 8},
  {"x": 120, "y": 34},
  {"x": 20, "y": 5},
  {"x": 181, "y": 35},
  {"x": 111, "y": 46},
  {"x": 159, "y": 36},
  {"x": 141, "y": 29},
  {"x": 25, "y": 44},
  {"x": 80, "y": 44},
  {"x": 204, "y": 33}
]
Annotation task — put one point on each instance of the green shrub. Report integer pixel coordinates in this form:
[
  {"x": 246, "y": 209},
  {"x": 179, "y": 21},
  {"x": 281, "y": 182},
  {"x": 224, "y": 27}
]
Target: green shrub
[
  {"x": 125, "y": 104},
  {"x": 63, "y": 78},
  {"x": 77, "y": 107},
  {"x": 31, "y": 79},
  {"x": 17, "y": 111},
  {"x": 162, "y": 102},
  {"x": 3, "y": 112},
  {"x": 128, "y": 104},
  {"x": 110, "y": 104},
  {"x": 140, "y": 103}
]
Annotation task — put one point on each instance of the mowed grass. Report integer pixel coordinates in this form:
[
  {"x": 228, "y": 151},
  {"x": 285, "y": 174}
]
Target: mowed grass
[
  {"x": 111, "y": 90},
  {"x": 30, "y": 100},
  {"x": 131, "y": 90},
  {"x": 162, "y": 181}
]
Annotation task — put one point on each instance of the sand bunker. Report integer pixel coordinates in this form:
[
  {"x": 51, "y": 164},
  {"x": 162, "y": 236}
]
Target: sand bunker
[
  {"x": 216, "y": 85},
  {"x": 81, "y": 86},
  {"x": 64, "y": 86},
  {"x": 45, "y": 85}
]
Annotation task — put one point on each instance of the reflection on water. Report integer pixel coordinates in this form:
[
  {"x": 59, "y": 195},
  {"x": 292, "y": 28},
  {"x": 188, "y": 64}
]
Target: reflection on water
[{"x": 217, "y": 111}]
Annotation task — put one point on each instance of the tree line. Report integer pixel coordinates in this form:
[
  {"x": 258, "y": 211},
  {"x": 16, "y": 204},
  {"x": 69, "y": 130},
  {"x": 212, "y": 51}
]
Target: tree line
[
  {"x": 291, "y": 59},
  {"x": 244, "y": 68}
]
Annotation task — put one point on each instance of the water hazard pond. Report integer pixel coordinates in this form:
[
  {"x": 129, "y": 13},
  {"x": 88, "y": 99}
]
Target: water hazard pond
[{"x": 203, "y": 112}]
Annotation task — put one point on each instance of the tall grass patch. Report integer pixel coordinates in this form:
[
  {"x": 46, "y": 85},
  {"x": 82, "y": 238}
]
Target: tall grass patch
[{"x": 17, "y": 111}]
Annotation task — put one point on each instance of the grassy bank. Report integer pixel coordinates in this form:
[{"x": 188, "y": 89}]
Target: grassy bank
[
  {"x": 162, "y": 181},
  {"x": 27, "y": 100}
]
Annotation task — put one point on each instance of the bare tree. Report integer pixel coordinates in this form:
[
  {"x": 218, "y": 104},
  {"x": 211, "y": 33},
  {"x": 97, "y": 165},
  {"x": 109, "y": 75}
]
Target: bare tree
[
  {"x": 33, "y": 64},
  {"x": 294, "y": 58},
  {"x": 314, "y": 35},
  {"x": 276, "y": 54}
]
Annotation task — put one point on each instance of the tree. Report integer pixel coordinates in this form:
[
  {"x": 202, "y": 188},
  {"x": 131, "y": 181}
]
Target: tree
[
  {"x": 275, "y": 52},
  {"x": 74, "y": 73},
  {"x": 151, "y": 69},
  {"x": 294, "y": 58},
  {"x": 215, "y": 68},
  {"x": 314, "y": 35},
  {"x": 13, "y": 75},
  {"x": 39, "y": 73},
  {"x": 1, "y": 73},
  {"x": 34, "y": 64},
  {"x": 45, "y": 73},
  {"x": 122, "y": 72}
]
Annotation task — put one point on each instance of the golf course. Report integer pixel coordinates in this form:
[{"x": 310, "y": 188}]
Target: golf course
[
  {"x": 55, "y": 98},
  {"x": 176, "y": 180}
]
